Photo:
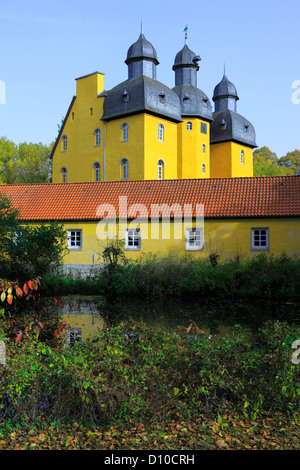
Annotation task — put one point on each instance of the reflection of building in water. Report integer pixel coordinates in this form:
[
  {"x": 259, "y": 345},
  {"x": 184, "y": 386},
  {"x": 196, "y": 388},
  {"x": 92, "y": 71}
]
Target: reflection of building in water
[{"x": 82, "y": 326}]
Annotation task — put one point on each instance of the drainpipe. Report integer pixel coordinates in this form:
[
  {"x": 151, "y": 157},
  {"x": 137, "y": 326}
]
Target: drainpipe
[{"x": 104, "y": 151}]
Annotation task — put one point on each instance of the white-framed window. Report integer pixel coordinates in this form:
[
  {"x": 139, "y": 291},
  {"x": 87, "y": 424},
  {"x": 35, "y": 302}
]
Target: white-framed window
[
  {"x": 97, "y": 168},
  {"x": 161, "y": 130},
  {"x": 203, "y": 168},
  {"x": 189, "y": 126},
  {"x": 242, "y": 157},
  {"x": 75, "y": 239},
  {"x": 124, "y": 128},
  {"x": 203, "y": 128},
  {"x": 97, "y": 134},
  {"x": 160, "y": 169},
  {"x": 73, "y": 336},
  {"x": 133, "y": 239},
  {"x": 203, "y": 148},
  {"x": 124, "y": 168},
  {"x": 259, "y": 238},
  {"x": 64, "y": 173},
  {"x": 193, "y": 239},
  {"x": 64, "y": 140}
]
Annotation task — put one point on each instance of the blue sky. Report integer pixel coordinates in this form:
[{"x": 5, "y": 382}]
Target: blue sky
[{"x": 46, "y": 45}]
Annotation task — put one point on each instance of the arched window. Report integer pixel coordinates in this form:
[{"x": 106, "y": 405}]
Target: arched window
[
  {"x": 189, "y": 126},
  {"x": 203, "y": 148},
  {"x": 64, "y": 143},
  {"x": 242, "y": 157},
  {"x": 203, "y": 168},
  {"x": 97, "y": 134},
  {"x": 161, "y": 130},
  {"x": 64, "y": 172},
  {"x": 124, "y": 165},
  {"x": 160, "y": 169},
  {"x": 124, "y": 128},
  {"x": 97, "y": 167}
]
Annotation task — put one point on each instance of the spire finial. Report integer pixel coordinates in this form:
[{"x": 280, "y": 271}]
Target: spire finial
[
  {"x": 224, "y": 70},
  {"x": 141, "y": 26},
  {"x": 185, "y": 36}
]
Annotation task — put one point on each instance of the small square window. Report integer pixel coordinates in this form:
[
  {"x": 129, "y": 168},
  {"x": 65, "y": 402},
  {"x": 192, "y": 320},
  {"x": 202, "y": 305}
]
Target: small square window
[
  {"x": 203, "y": 128},
  {"x": 194, "y": 239},
  {"x": 259, "y": 238},
  {"x": 133, "y": 239},
  {"x": 75, "y": 239},
  {"x": 73, "y": 336}
]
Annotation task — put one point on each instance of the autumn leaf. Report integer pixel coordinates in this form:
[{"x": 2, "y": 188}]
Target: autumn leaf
[
  {"x": 25, "y": 288},
  {"x": 9, "y": 299},
  {"x": 3, "y": 296},
  {"x": 19, "y": 291}
]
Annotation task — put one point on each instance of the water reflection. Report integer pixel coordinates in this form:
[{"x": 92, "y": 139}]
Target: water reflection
[{"x": 88, "y": 315}]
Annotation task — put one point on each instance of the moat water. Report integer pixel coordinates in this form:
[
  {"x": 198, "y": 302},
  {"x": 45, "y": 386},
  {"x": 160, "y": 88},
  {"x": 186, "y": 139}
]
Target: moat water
[{"x": 91, "y": 314}]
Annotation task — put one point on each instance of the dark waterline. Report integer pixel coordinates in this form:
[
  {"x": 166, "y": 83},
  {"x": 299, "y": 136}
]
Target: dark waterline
[{"x": 213, "y": 316}]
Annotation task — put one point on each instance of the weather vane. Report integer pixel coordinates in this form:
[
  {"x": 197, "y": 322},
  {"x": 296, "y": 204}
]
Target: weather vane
[{"x": 185, "y": 31}]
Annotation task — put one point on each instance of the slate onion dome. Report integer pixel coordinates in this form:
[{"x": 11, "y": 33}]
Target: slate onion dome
[
  {"x": 186, "y": 67},
  {"x": 194, "y": 102},
  {"x": 141, "y": 93},
  {"x": 228, "y": 125},
  {"x": 141, "y": 59},
  {"x": 225, "y": 95}
]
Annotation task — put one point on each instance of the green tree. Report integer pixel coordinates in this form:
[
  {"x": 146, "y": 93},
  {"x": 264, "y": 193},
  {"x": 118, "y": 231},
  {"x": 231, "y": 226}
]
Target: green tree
[
  {"x": 28, "y": 249},
  {"x": 8, "y": 157},
  {"x": 39, "y": 246},
  {"x": 266, "y": 163},
  {"x": 9, "y": 223},
  {"x": 33, "y": 164},
  {"x": 25, "y": 163},
  {"x": 291, "y": 162}
]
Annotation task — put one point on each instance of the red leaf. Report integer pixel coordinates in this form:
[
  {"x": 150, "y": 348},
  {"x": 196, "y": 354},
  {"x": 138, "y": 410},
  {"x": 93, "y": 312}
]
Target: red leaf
[
  {"x": 25, "y": 288},
  {"x": 19, "y": 291},
  {"x": 9, "y": 299}
]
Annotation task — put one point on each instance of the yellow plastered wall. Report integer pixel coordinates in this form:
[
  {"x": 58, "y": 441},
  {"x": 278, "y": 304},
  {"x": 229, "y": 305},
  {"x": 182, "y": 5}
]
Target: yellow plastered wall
[
  {"x": 156, "y": 150},
  {"x": 132, "y": 149},
  {"x": 228, "y": 238},
  {"x": 79, "y": 127},
  {"x": 225, "y": 160},
  {"x": 191, "y": 155}
]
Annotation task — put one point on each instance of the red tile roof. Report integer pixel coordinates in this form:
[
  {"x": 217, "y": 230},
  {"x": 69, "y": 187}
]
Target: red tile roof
[{"x": 222, "y": 197}]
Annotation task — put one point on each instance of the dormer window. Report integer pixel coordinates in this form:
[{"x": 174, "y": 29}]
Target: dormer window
[
  {"x": 162, "y": 96},
  {"x": 186, "y": 98},
  {"x": 223, "y": 125},
  {"x": 125, "y": 96},
  {"x": 246, "y": 127}
]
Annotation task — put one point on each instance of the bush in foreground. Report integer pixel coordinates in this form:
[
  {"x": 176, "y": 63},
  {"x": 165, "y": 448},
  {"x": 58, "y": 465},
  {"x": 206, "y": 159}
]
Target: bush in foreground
[{"x": 133, "y": 372}]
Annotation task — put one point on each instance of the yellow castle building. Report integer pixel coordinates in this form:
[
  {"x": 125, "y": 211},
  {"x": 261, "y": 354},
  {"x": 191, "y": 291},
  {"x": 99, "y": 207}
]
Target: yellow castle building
[{"x": 143, "y": 130}]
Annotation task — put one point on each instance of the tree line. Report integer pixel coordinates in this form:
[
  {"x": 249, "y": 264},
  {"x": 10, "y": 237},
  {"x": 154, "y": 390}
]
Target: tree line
[
  {"x": 31, "y": 163},
  {"x": 266, "y": 163},
  {"x": 25, "y": 162}
]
